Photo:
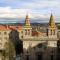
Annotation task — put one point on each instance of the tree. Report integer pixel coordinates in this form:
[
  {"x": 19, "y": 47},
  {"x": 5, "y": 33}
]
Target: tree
[{"x": 9, "y": 50}]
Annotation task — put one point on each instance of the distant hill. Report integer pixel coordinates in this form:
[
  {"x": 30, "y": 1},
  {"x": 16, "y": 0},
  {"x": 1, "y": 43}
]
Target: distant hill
[{"x": 23, "y": 23}]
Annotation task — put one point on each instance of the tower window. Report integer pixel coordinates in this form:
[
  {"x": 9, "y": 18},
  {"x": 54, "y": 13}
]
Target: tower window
[
  {"x": 51, "y": 32},
  {"x": 28, "y": 32},
  {"x": 25, "y": 32},
  {"x": 54, "y": 32}
]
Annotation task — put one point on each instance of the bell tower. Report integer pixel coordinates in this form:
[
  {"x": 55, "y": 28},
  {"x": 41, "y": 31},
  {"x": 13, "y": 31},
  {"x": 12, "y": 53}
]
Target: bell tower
[
  {"x": 27, "y": 28},
  {"x": 27, "y": 21},
  {"x": 52, "y": 29}
]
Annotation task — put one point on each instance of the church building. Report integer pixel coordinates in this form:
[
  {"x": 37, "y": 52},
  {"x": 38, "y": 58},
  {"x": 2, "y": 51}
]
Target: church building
[
  {"x": 42, "y": 47},
  {"x": 36, "y": 45}
]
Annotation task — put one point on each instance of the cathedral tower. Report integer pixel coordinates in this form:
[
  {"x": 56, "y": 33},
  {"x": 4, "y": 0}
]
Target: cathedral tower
[
  {"x": 27, "y": 21},
  {"x": 27, "y": 28},
  {"x": 52, "y": 29}
]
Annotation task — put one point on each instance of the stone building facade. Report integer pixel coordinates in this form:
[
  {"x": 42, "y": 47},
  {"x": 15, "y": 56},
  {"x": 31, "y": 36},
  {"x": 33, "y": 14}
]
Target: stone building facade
[{"x": 41, "y": 47}]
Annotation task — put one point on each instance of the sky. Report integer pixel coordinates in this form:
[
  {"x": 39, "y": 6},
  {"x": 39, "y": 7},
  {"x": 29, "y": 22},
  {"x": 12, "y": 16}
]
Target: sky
[{"x": 38, "y": 10}]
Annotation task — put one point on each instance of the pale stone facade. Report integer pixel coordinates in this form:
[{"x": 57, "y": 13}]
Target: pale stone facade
[
  {"x": 41, "y": 47},
  {"x": 6, "y": 46},
  {"x": 34, "y": 48}
]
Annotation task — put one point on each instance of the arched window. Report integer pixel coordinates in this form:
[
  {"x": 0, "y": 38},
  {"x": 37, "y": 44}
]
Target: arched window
[
  {"x": 28, "y": 32},
  {"x": 25, "y": 32},
  {"x": 54, "y": 32},
  {"x": 5, "y": 33},
  {"x": 51, "y": 32}
]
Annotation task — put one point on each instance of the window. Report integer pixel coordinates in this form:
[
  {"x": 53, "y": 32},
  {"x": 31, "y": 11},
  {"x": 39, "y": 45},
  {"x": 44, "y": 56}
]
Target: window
[
  {"x": 0, "y": 33},
  {"x": 51, "y": 32},
  {"x": 21, "y": 36},
  {"x": 22, "y": 32},
  {"x": 5, "y": 38},
  {"x": 0, "y": 44},
  {"x": 28, "y": 32},
  {"x": 5, "y": 33},
  {"x": 25, "y": 32},
  {"x": 0, "y": 38},
  {"x": 54, "y": 32}
]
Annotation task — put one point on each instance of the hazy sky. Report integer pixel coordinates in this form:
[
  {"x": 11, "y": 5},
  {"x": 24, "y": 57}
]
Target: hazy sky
[{"x": 37, "y": 9}]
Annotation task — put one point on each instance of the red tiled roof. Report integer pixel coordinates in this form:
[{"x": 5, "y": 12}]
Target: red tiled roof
[
  {"x": 5, "y": 27},
  {"x": 15, "y": 27},
  {"x": 41, "y": 33},
  {"x": 2, "y": 27},
  {"x": 35, "y": 33}
]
